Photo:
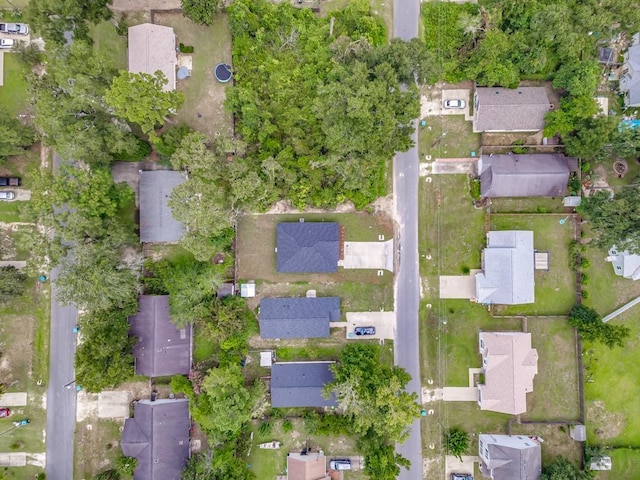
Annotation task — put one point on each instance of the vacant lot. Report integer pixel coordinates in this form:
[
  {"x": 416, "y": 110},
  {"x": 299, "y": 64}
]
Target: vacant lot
[
  {"x": 612, "y": 389},
  {"x": 97, "y": 446},
  {"x": 13, "y": 93},
  {"x": 256, "y": 254},
  {"x": 203, "y": 109},
  {"x": 555, "y": 388},
  {"x": 447, "y": 136},
  {"x": 555, "y": 289}
]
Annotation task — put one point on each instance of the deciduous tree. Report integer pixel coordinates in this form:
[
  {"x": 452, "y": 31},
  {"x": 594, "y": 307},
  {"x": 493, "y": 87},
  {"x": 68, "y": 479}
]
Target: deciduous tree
[
  {"x": 457, "y": 442},
  {"x": 562, "y": 469},
  {"x": 12, "y": 283},
  {"x": 14, "y": 137},
  {"x": 202, "y": 11},
  {"x": 592, "y": 329}
]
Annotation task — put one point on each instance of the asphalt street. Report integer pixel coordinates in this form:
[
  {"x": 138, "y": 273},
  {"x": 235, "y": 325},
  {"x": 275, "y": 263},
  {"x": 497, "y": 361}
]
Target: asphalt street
[
  {"x": 61, "y": 401},
  {"x": 407, "y": 290}
]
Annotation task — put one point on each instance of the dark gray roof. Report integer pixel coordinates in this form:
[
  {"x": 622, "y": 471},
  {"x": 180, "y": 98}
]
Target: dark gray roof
[
  {"x": 156, "y": 220},
  {"x": 630, "y": 81},
  {"x": 161, "y": 348},
  {"x": 158, "y": 437},
  {"x": 531, "y": 175},
  {"x": 307, "y": 247},
  {"x": 510, "y": 110},
  {"x": 301, "y": 384},
  {"x": 298, "y": 317},
  {"x": 606, "y": 55}
]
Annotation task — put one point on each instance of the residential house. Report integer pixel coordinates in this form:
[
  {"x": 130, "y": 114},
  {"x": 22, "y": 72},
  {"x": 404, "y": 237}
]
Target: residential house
[
  {"x": 301, "y": 384},
  {"x": 531, "y": 175},
  {"x": 161, "y": 348},
  {"x": 625, "y": 264},
  {"x": 630, "y": 79},
  {"x": 158, "y": 437},
  {"x": 151, "y": 48},
  {"x": 298, "y": 317},
  {"x": 509, "y": 364},
  {"x": 157, "y": 223},
  {"x": 308, "y": 247},
  {"x": 510, "y": 457},
  {"x": 499, "y": 109},
  {"x": 307, "y": 466},
  {"x": 507, "y": 276}
]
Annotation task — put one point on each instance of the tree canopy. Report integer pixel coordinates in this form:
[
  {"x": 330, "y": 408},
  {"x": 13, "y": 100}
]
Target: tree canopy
[
  {"x": 12, "y": 283},
  {"x": 202, "y": 11},
  {"x": 14, "y": 137},
  {"x": 562, "y": 469},
  {"x": 457, "y": 442},
  {"x": 592, "y": 329},
  {"x": 140, "y": 98},
  {"x": 615, "y": 221}
]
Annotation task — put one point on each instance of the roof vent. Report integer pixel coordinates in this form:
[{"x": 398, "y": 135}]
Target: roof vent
[
  {"x": 301, "y": 220},
  {"x": 519, "y": 92},
  {"x": 497, "y": 92}
]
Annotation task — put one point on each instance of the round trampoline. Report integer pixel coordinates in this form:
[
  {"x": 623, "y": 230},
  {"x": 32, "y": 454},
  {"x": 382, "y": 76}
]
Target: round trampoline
[{"x": 223, "y": 72}]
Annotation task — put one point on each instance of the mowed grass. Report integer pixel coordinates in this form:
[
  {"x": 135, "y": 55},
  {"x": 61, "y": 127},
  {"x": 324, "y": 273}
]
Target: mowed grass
[
  {"x": 256, "y": 246},
  {"x": 612, "y": 389},
  {"x": 527, "y": 205},
  {"x": 13, "y": 93},
  {"x": 203, "y": 108},
  {"x": 624, "y": 464},
  {"x": 554, "y": 289},
  {"x": 447, "y": 136},
  {"x": 555, "y": 394},
  {"x": 107, "y": 42}
]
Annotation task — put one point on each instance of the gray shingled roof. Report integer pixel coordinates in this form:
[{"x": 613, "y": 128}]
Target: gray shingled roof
[
  {"x": 161, "y": 348},
  {"x": 630, "y": 81},
  {"x": 531, "y": 175},
  {"x": 301, "y": 384},
  {"x": 510, "y": 110},
  {"x": 298, "y": 317},
  {"x": 158, "y": 437},
  {"x": 508, "y": 463},
  {"x": 508, "y": 269},
  {"x": 156, "y": 220},
  {"x": 308, "y": 247}
]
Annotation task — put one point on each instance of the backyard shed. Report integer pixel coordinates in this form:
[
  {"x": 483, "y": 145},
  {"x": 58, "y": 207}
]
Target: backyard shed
[
  {"x": 151, "y": 48},
  {"x": 308, "y": 247},
  {"x": 157, "y": 223}
]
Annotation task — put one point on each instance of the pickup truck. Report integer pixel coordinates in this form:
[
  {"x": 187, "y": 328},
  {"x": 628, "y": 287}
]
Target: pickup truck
[
  {"x": 10, "y": 181},
  {"x": 19, "y": 28}
]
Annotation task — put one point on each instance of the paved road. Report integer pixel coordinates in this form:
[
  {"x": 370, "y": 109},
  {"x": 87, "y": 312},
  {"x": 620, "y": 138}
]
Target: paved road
[
  {"x": 407, "y": 295},
  {"x": 61, "y": 401}
]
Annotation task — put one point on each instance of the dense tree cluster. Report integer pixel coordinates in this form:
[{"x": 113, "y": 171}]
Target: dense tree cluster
[
  {"x": 12, "y": 283},
  {"x": 592, "y": 329},
  {"x": 202, "y": 11},
  {"x": 374, "y": 397},
  {"x": 14, "y": 137},
  {"x": 321, "y": 112},
  {"x": 562, "y": 469}
]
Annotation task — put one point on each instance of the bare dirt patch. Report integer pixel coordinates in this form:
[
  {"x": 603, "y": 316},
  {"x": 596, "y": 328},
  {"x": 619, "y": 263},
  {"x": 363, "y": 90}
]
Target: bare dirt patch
[{"x": 606, "y": 424}]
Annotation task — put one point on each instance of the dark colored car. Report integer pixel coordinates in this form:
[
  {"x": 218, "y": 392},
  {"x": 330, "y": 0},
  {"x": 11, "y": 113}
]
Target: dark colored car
[
  {"x": 10, "y": 181},
  {"x": 461, "y": 476},
  {"x": 364, "y": 331},
  {"x": 5, "y": 412}
]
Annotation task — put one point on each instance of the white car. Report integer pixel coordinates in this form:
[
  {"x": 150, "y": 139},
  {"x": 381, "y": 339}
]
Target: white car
[
  {"x": 7, "y": 43},
  {"x": 455, "y": 104},
  {"x": 7, "y": 195}
]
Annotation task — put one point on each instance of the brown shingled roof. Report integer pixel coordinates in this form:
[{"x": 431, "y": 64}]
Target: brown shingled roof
[{"x": 152, "y": 48}]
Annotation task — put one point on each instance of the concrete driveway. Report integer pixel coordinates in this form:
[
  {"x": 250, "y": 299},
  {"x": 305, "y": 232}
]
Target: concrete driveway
[
  {"x": 458, "y": 286},
  {"x": 433, "y": 105},
  {"x": 383, "y": 321},
  {"x": 454, "y": 465},
  {"x": 18, "y": 399},
  {"x": 368, "y": 255}
]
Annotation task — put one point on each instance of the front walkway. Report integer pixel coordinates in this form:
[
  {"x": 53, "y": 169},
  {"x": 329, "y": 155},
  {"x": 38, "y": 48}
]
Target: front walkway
[{"x": 463, "y": 394}]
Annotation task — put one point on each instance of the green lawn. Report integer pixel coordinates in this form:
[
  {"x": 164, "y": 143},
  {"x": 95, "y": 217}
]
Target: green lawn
[
  {"x": 612, "y": 389},
  {"x": 447, "y": 136},
  {"x": 13, "y": 93},
  {"x": 107, "y": 42},
  {"x": 527, "y": 205},
  {"x": 555, "y": 388},
  {"x": 97, "y": 447},
  {"x": 555, "y": 289},
  {"x": 13, "y": 212},
  {"x": 624, "y": 464}
]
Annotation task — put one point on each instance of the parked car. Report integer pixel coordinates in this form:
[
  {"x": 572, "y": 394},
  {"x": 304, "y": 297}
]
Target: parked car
[
  {"x": 17, "y": 28},
  {"x": 7, "y": 43},
  {"x": 455, "y": 104},
  {"x": 461, "y": 476},
  {"x": 10, "y": 181},
  {"x": 5, "y": 412},
  {"x": 365, "y": 330},
  {"x": 340, "y": 464},
  {"x": 7, "y": 195}
]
